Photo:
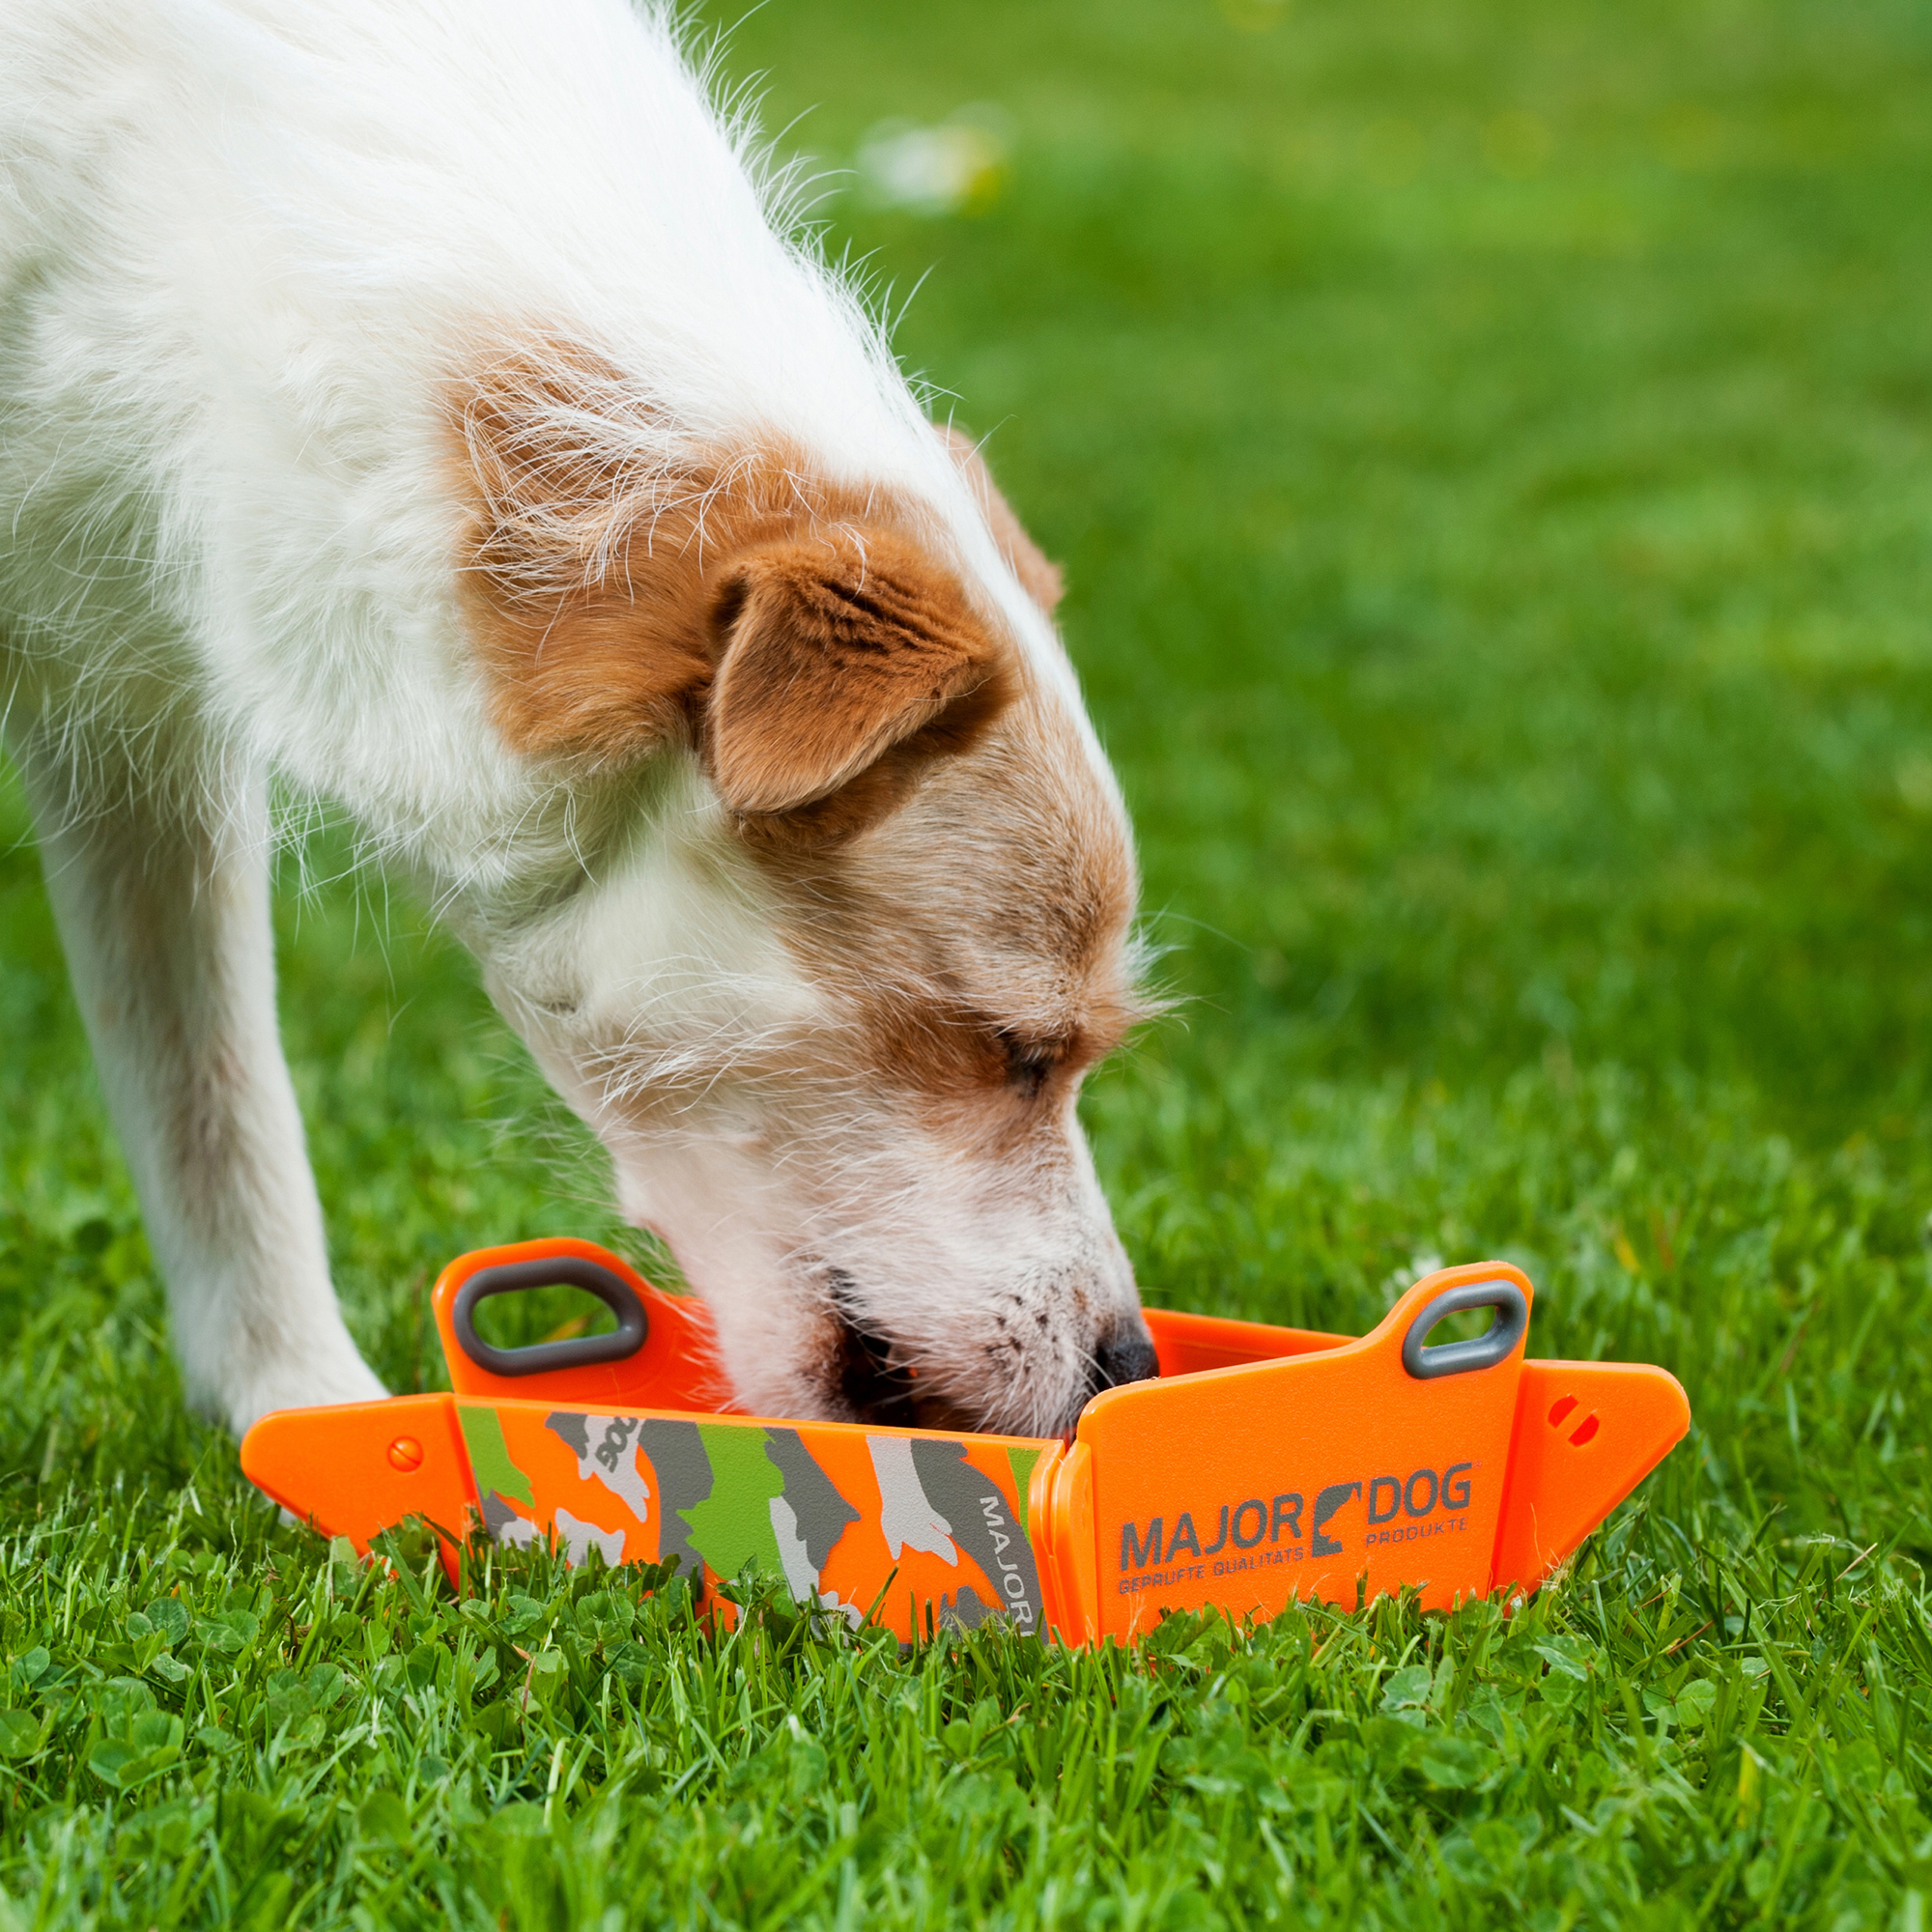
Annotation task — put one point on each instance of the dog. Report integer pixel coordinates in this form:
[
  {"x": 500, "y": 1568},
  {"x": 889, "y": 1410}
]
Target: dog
[{"x": 427, "y": 406}]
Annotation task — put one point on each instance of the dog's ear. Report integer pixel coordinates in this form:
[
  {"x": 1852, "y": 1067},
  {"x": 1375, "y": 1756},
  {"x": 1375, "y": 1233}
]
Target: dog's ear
[
  {"x": 1038, "y": 578},
  {"x": 835, "y": 649},
  {"x": 620, "y": 599},
  {"x": 582, "y": 575}
]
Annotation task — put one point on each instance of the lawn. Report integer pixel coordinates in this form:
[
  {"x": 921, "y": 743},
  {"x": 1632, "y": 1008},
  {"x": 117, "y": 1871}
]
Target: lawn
[{"x": 1491, "y": 450}]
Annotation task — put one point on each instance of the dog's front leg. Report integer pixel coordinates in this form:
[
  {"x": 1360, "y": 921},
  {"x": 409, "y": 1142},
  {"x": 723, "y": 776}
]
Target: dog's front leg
[{"x": 163, "y": 910}]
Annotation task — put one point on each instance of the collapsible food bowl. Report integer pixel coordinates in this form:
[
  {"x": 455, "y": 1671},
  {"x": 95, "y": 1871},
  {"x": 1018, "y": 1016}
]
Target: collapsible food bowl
[{"x": 1265, "y": 1463}]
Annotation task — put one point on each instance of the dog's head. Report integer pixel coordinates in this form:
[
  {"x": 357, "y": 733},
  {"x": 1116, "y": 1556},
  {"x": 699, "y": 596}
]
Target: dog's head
[{"x": 848, "y": 915}]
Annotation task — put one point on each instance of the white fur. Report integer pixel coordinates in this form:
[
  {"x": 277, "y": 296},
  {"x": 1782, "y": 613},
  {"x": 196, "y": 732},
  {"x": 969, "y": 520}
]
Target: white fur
[{"x": 244, "y": 250}]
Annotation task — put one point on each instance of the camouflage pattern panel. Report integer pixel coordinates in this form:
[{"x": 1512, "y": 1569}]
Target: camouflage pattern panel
[
  {"x": 542, "y": 1472},
  {"x": 922, "y": 1530}
]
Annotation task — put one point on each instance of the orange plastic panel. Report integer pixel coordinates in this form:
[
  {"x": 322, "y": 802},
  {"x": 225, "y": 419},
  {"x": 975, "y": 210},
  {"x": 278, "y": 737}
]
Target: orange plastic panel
[
  {"x": 1063, "y": 1509},
  {"x": 676, "y": 1368},
  {"x": 1586, "y": 1435},
  {"x": 1312, "y": 1475},
  {"x": 360, "y": 1468},
  {"x": 1188, "y": 1344}
]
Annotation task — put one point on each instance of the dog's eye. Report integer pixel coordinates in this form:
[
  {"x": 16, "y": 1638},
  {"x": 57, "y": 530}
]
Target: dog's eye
[{"x": 1029, "y": 1063}]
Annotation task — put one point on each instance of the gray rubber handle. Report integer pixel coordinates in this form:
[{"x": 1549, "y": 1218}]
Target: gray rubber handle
[
  {"x": 1483, "y": 1351},
  {"x": 581, "y": 1351}
]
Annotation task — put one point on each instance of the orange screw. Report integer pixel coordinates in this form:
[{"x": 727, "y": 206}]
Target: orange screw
[{"x": 405, "y": 1453}]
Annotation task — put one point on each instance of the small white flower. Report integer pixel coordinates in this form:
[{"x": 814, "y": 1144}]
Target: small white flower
[{"x": 959, "y": 165}]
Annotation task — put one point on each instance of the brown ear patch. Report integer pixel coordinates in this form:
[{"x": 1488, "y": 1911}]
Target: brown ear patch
[
  {"x": 584, "y": 580},
  {"x": 838, "y": 647},
  {"x": 625, "y": 590},
  {"x": 1039, "y": 578}
]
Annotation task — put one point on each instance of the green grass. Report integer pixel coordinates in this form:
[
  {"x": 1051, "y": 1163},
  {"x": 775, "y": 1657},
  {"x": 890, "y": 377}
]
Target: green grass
[{"x": 1490, "y": 446}]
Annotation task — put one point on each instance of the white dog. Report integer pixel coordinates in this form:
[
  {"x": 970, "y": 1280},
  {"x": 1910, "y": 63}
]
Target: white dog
[{"x": 418, "y": 400}]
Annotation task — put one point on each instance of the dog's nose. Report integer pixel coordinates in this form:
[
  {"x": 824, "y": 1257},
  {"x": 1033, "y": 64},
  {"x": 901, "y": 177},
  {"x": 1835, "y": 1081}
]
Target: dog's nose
[{"x": 1125, "y": 1355}]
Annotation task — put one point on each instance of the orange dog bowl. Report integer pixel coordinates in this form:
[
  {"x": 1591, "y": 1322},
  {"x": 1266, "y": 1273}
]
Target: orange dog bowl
[{"x": 1265, "y": 1463}]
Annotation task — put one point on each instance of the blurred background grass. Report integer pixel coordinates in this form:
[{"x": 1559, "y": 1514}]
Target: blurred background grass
[{"x": 1491, "y": 450}]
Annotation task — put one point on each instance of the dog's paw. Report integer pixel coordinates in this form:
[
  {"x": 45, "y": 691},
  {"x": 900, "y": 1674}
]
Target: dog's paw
[{"x": 344, "y": 1377}]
